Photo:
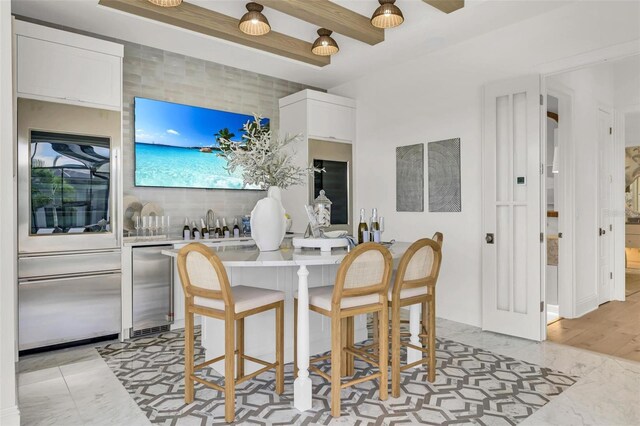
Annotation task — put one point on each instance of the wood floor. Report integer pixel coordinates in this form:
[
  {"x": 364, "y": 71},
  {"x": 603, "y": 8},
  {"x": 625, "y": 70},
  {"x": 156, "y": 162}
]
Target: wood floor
[{"x": 612, "y": 329}]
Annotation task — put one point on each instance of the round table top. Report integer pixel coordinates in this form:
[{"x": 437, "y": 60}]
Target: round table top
[{"x": 250, "y": 256}]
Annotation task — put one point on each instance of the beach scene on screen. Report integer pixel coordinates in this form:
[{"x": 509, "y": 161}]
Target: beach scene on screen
[{"x": 177, "y": 145}]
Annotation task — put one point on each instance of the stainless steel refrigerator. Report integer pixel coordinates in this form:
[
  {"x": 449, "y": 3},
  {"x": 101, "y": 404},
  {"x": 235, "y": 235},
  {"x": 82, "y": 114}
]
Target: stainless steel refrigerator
[{"x": 69, "y": 227}]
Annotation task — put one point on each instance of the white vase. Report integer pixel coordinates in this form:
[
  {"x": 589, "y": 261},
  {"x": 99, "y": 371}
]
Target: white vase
[{"x": 268, "y": 221}]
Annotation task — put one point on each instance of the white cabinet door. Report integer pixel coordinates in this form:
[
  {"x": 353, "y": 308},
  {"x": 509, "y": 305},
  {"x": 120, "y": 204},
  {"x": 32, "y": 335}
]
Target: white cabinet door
[
  {"x": 69, "y": 74},
  {"x": 330, "y": 121}
]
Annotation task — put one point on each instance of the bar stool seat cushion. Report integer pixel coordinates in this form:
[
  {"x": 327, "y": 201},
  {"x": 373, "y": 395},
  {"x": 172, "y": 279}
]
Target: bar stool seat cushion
[
  {"x": 321, "y": 298},
  {"x": 244, "y": 297}
]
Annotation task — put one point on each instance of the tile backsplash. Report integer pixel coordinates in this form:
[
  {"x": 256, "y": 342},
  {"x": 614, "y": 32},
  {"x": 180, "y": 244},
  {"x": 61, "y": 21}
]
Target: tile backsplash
[{"x": 158, "y": 74}]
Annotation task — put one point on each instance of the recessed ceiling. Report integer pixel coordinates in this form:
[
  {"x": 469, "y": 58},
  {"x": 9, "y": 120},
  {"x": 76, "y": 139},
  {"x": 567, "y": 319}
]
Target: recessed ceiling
[{"x": 425, "y": 29}]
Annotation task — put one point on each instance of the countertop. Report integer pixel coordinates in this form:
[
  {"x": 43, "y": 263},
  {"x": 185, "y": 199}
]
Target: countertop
[{"x": 243, "y": 256}]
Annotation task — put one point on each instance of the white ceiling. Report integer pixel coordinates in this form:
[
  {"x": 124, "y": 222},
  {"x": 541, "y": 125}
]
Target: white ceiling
[{"x": 425, "y": 30}]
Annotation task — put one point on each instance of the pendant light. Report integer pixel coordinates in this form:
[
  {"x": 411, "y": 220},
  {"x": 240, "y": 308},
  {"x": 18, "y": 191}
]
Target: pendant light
[
  {"x": 387, "y": 15},
  {"x": 254, "y": 22},
  {"x": 166, "y": 3},
  {"x": 325, "y": 45}
]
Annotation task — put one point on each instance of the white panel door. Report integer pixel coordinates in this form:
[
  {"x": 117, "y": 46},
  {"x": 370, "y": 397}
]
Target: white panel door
[
  {"x": 605, "y": 219},
  {"x": 512, "y": 250}
]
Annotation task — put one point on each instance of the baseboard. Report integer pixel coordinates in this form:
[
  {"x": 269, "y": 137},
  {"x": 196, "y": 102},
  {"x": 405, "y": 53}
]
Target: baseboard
[
  {"x": 586, "y": 305},
  {"x": 10, "y": 416}
]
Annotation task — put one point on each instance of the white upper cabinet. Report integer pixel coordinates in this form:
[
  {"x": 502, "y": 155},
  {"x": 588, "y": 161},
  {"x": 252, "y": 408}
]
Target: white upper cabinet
[
  {"x": 63, "y": 67},
  {"x": 328, "y": 117}
]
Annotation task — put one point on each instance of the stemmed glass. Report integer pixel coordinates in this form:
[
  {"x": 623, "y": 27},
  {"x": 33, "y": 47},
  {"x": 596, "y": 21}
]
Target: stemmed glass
[
  {"x": 137, "y": 225},
  {"x": 145, "y": 225},
  {"x": 153, "y": 225}
]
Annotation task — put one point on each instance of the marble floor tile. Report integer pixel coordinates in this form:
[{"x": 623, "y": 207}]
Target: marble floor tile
[
  {"x": 57, "y": 358},
  {"x": 574, "y": 361},
  {"x": 48, "y": 402},
  {"x": 609, "y": 395},
  {"x": 37, "y": 376},
  {"x": 99, "y": 395}
]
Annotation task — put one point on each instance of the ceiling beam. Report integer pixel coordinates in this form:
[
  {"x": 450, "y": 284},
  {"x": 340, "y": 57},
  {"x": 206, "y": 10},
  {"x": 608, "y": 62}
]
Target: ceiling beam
[
  {"x": 326, "y": 14},
  {"x": 447, "y": 6},
  {"x": 205, "y": 21}
]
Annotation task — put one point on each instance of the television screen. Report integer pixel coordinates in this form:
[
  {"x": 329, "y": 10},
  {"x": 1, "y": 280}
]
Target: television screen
[{"x": 177, "y": 145}]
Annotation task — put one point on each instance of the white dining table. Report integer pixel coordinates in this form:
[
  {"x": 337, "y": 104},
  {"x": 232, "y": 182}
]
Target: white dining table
[{"x": 248, "y": 256}]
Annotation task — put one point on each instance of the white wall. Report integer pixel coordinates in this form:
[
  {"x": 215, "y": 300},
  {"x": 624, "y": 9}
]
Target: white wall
[
  {"x": 439, "y": 96},
  {"x": 632, "y": 129},
  {"x": 9, "y": 414}
]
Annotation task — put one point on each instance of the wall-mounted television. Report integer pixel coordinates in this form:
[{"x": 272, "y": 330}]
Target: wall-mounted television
[{"x": 177, "y": 146}]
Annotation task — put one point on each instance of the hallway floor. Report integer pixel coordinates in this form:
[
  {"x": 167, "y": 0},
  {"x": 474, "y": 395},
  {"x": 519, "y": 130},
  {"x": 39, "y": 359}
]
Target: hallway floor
[{"x": 612, "y": 329}]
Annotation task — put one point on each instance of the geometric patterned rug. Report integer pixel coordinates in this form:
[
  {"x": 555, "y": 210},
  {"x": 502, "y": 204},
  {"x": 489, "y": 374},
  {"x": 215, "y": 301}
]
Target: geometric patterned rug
[{"x": 472, "y": 386}]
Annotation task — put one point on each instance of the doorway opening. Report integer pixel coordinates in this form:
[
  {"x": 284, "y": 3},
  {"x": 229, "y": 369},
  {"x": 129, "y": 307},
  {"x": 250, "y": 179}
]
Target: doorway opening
[{"x": 592, "y": 289}]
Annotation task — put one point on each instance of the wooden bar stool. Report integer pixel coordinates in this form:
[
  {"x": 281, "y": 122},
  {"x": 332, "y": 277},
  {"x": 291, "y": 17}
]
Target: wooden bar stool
[
  {"x": 361, "y": 287},
  {"x": 415, "y": 282},
  {"x": 207, "y": 292}
]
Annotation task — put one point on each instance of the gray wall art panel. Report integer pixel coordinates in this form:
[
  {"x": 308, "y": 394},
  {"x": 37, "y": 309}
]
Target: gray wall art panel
[
  {"x": 410, "y": 178},
  {"x": 444, "y": 176}
]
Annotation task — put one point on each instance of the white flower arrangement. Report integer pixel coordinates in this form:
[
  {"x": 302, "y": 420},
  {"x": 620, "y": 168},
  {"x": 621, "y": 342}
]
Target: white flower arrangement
[{"x": 264, "y": 160}]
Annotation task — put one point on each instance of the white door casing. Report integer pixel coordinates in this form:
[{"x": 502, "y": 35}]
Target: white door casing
[
  {"x": 605, "y": 218},
  {"x": 512, "y": 205}
]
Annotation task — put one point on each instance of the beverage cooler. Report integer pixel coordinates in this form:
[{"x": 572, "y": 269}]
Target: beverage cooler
[{"x": 69, "y": 270}]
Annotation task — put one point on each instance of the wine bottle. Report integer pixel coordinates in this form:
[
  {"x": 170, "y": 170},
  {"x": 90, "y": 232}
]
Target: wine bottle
[
  {"x": 236, "y": 228},
  {"x": 375, "y": 226},
  {"x": 195, "y": 233},
  {"x": 218, "y": 231},
  {"x": 186, "y": 232},
  {"x": 203, "y": 230},
  {"x": 225, "y": 228},
  {"x": 363, "y": 230}
]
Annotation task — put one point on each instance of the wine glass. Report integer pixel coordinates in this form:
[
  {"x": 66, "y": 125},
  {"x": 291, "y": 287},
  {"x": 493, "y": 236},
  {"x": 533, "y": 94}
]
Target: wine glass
[
  {"x": 153, "y": 225},
  {"x": 137, "y": 225},
  {"x": 145, "y": 225},
  {"x": 161, "y": 225}
]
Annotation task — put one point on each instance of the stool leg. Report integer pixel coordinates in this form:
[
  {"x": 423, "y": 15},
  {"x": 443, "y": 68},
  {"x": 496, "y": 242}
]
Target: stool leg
[
  {"x": 431, "y": 329},
  {"x": 344, "y": 342},
  {"x": 395, "y": 350},
  {"x": 383, "y": 352},
  {"x": 188, "y": 356},
  {"x": 424, "y": 329},
  {"x": 229, "y": 368},
  {"x": 375, "y": 325},
  {"x": 240, "y": 343},
  {"x": 336, "y": 363},
  {"x": 280, "y": 348},
  {"x": 350, "y": 342},
  {"x": 295, "y": 338}
]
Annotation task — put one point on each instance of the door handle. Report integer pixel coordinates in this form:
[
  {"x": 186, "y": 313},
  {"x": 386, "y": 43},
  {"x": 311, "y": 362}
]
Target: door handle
[
  {"x": 489, "y": 238},
  {"x": 602, "y": 232}
]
